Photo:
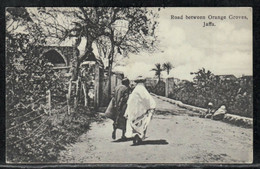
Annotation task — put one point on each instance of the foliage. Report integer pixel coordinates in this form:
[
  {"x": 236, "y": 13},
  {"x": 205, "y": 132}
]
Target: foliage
[
  {"x": 28, "y": 76},
  {"x": 113, "y": 30},
  {"x": 160, "y": 68},
  {"x": 158, "y": 71},
  {"x": 121, "y": 29},
  {"x": 203, "y": 77},
  {"x": 159, "y": 88},
  {"x": 236, "y": 95},
  {"x": 58, "y": 132},
  {"x": 167, "y": 67},
  {"x": 32, "y": 135}
]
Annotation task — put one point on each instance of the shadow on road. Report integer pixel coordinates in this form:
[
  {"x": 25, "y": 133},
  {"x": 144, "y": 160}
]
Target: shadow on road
[
  {"x": 123, "y": 140},
  {"x": 152, "y": 142},
  {"x": 166, "y": 112}
]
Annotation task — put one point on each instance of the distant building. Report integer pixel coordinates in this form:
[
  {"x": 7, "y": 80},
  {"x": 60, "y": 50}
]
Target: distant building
[
  {"x": 226, "y": 77},
  {"x": 247, "y": 79},
  {"x": 119, "y": 74},
  {"x": 163, "y": 79}
]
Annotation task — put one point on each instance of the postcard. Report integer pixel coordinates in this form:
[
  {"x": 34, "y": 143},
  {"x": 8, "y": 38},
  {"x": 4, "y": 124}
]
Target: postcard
[{"x": 115, "y": 85}]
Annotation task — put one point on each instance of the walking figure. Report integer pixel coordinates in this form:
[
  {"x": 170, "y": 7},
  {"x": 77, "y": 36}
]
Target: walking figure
[
  {"x": 139, "y": 111},
  {"x": 117, "y": 107}
]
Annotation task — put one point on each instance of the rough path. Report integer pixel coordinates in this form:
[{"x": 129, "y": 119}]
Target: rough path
[{"x": 172, "y": 137}]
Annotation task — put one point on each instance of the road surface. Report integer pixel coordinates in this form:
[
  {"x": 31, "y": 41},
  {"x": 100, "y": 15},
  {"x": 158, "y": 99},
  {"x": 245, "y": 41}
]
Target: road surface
[{"x": 173, "y": 136}]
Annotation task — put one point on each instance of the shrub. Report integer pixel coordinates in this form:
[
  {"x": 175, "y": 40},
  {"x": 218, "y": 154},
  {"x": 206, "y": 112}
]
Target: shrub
[{"x": 236, "y": 95}]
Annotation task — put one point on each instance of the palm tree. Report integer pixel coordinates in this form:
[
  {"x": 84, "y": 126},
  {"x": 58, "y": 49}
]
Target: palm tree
[
  {"x": 158, "y": 70},
  {"x": 168, "y": 67}
]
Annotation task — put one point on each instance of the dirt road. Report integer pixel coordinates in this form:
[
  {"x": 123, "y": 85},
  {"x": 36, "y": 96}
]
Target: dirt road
[{"x": 173, "y": 137}]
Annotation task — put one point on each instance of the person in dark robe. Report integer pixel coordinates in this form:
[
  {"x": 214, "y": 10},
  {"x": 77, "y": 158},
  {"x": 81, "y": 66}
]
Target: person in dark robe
[
  {"x": 210, "y": 111},
  {"x": 117, "y": 107}
]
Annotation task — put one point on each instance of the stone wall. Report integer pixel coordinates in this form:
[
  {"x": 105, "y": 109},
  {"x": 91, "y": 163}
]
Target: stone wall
[
  {"x": 169, "y": 86},
  {"x": 228, "y": 118},
  {"x": 67, "y": 52}
]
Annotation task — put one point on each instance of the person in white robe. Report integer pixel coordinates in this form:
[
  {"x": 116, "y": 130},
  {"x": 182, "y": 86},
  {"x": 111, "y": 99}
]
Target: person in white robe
[
  {"x": 220, "y": 113},
  {"x": 140, "y": 107}
]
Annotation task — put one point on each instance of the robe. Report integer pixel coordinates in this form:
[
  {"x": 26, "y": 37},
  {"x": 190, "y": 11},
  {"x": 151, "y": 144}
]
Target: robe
[
  {"x": 117, "y": 107},
  {"x": 140, "y": 106},
  {"x": 219, "y": 114}
]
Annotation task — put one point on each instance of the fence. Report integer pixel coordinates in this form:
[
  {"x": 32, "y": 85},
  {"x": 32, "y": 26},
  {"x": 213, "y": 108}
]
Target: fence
[
  {"x": 42, "y": 114},
  {"x": 36, "y": 133}
]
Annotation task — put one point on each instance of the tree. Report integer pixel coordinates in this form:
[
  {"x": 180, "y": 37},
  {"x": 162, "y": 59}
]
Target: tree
[
  {"x": 158, "y": 70},
  {"x": 134, "y": 32},
  {"x": 129, "y": 30},
  {"x": 203, "y": 77},
  {"x": 168, "y": 67}
]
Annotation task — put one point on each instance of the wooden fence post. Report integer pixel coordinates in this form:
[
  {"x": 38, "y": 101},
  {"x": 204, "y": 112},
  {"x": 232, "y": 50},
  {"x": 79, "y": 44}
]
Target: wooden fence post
[
  {"x": 69, "y": 90},
  {"x": 68, "y": 96},
  {"x": 85, "y": 93},
  {"x": 68, "y": 104},
  {"x": 48, "y": 98},
  {"x": 96, "y": 87},
  {"x": 77, "y": 94}
]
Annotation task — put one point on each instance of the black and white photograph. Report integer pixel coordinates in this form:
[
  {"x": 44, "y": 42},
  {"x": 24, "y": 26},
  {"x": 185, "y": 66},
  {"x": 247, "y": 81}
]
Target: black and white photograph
[{"x": 129, "y": 85}]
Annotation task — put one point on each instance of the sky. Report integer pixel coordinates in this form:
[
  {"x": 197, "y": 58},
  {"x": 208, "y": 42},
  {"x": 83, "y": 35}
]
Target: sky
[{"x": 223, "y": 49}]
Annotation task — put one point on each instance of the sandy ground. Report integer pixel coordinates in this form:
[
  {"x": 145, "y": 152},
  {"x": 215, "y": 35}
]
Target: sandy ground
[{"x": 173, "y": 137}]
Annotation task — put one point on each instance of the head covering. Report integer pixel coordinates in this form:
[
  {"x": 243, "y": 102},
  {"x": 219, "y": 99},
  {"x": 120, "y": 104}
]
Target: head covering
[
  {"x": 221, "y": 111},
  {"x": 125, "y": 81},
  {"x": 223, "y": 107},
  {"x": 140, "y": 79},
  {"x": 210, "y": 104}
]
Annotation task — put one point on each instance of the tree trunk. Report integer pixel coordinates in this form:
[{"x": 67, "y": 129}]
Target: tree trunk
[
  {"x": 89, "y": 52},
  {"x": 110, "y": 64},
  {"x": 109, "y": 82}
]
